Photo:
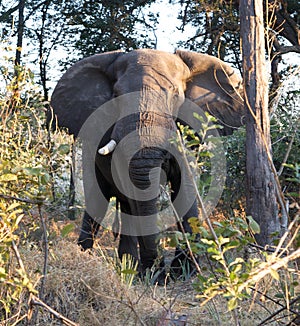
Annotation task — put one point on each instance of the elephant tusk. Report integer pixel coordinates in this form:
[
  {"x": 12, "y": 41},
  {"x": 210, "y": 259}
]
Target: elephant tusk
[{"x": 108, "y": 148}]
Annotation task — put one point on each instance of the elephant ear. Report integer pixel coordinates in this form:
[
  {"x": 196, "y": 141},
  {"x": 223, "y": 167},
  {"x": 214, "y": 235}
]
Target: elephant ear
[
  {"x": 216, "y": 88},
  {"x": 81, "y": 90}
]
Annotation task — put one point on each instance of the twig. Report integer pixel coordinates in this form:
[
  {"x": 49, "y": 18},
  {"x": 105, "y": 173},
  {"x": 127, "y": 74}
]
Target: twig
[
  {"x": 201, "y": 203},
  {"x": 205, "y": 215},
  {"x": 24, "y": 200},
  {"x": 283, "y": 238},
  {"x": 273, "y": 300},
  {"x": 267, "y": 267},
  {"x": 199, "y": 198},
  {"x": 129, "y": 305},
  {"x": 35, "y": 301},
  {"x": 279, "y": 311},
  {"x": 19, "y": 259},
  {"x": 261, "y": 248},
  {"x": 286, "y": 154},
  {"x": 46, "y": 249},
  {"x": 183, "y": 232}
]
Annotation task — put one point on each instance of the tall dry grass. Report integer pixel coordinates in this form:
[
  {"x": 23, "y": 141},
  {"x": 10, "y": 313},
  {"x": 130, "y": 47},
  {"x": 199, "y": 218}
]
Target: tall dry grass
[{"x": 86, "y": 288}]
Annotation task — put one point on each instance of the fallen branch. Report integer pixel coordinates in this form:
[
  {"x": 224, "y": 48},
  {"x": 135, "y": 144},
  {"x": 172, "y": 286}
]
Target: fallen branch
[{"x": 35, "y": 301}]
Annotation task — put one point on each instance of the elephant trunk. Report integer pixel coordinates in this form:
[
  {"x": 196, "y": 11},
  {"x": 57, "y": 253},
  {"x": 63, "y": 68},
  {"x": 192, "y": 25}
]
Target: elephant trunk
[
  {"x": 145, "y": 171},
  {"x": 140, "y": 184}
]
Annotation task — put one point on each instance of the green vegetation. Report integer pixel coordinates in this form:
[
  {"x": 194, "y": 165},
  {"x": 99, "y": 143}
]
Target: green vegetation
[
  {"x": 235, "y": 266},
  {"x": 27, "y": 158}
]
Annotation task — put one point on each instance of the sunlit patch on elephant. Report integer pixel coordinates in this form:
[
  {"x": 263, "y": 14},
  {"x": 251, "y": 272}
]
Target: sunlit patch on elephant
[{"x": 124, "y": 107}]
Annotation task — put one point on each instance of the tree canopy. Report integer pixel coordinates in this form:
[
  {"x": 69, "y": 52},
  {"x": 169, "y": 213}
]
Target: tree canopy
[{"x": 84, "y": 27}]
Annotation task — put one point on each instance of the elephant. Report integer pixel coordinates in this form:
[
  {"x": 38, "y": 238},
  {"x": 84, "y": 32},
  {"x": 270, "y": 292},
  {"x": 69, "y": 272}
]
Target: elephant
[{"x": 128, "y": 104}]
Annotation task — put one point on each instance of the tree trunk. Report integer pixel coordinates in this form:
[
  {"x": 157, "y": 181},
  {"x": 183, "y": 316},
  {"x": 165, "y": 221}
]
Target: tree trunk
[
  {"x": 20, "y": 32},
  {"x": 261, "y": 187}
]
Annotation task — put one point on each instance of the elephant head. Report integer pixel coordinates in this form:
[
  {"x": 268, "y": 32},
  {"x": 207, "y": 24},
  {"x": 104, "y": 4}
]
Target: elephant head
[
  {"x": 144, "y": 91},
  {"x": 205, "y": 80}
]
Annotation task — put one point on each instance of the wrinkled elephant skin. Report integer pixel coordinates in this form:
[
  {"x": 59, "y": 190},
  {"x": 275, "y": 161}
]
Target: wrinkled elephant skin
[{"x": 124, "y": 107}]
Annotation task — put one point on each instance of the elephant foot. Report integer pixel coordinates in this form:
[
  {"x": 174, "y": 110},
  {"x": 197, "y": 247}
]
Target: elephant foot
[
  {"x": 85, "y": 241},
  {"x": 158, "y": 277},
  {"x": 154, "y": 274}
]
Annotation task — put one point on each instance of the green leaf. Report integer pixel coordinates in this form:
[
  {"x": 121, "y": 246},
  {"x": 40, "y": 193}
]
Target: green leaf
[
  {"x": 194, "y": 224},
  {"x": 45, "y": 178},
  {"x": 294, "y": 194},
  {"x": 208, "y": 242},
  {"x": 63, "y": 149},
  {"x": 3, "y": 273},
  {"x": 232, "y": 244},
  {"x": 33, "y": 171},
  {"x": 253, "y": 225},
  {"x": 13, "y": 206},
  {"x": 129, "y": 272},
  {"x": 222, "y": 240},
  {"x": 8, "y": 177},
  {"x": 67, "y": 229},
  {"x": 175, "y": 238},
  {"x": 238, "y": 260},
  {"x": 274, "y": 274},
  {"x": 291, "y": 166},
  {"x": 232, "y": 276},
  {"x": 232, "y": 304},
  {"x": 198, "y": 117},
  {"x": 204, "y": 233},
  {"x": 279, "y": 295}
]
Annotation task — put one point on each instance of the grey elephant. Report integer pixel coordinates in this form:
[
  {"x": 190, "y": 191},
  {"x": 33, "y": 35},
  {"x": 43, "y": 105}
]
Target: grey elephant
[{"x": 125, "y": 107}]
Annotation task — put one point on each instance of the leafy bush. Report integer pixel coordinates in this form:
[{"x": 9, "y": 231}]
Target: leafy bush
[
  {"x": 233, "y": 272},
  {"x": 26, "y": 177},
  {"x": 286, "y": 144}
]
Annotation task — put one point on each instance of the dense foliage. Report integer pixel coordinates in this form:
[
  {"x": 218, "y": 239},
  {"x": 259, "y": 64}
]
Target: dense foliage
[{"x": 28, "y": 162}]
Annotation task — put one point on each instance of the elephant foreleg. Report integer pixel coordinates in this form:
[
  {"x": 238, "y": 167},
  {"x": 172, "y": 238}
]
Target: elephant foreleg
[
  {"x": 150, "y": 258},
  {"x": 182, "y": 263},
  {"x": 97, "y": 198},
  {"x": 148, "y": 250},
  {"x": 88, "y": 231},
  {"x": 128, "y": 245}
]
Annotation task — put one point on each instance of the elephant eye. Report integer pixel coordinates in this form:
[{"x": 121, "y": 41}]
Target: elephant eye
[
  {"x": 115, "y": 93},
  {"x": 117, "y": 90}
]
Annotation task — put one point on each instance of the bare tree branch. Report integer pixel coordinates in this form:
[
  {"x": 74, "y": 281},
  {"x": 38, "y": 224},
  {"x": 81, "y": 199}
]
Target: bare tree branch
[
  {"x": 288, "y": 49},
  {"x": 10, "y": 11},
  {"x": 286, "y": 307},
  {"x": 268, "y": 267},
  {"x": 24, "y": 200},
  {"x": 35, "y": 301}
]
